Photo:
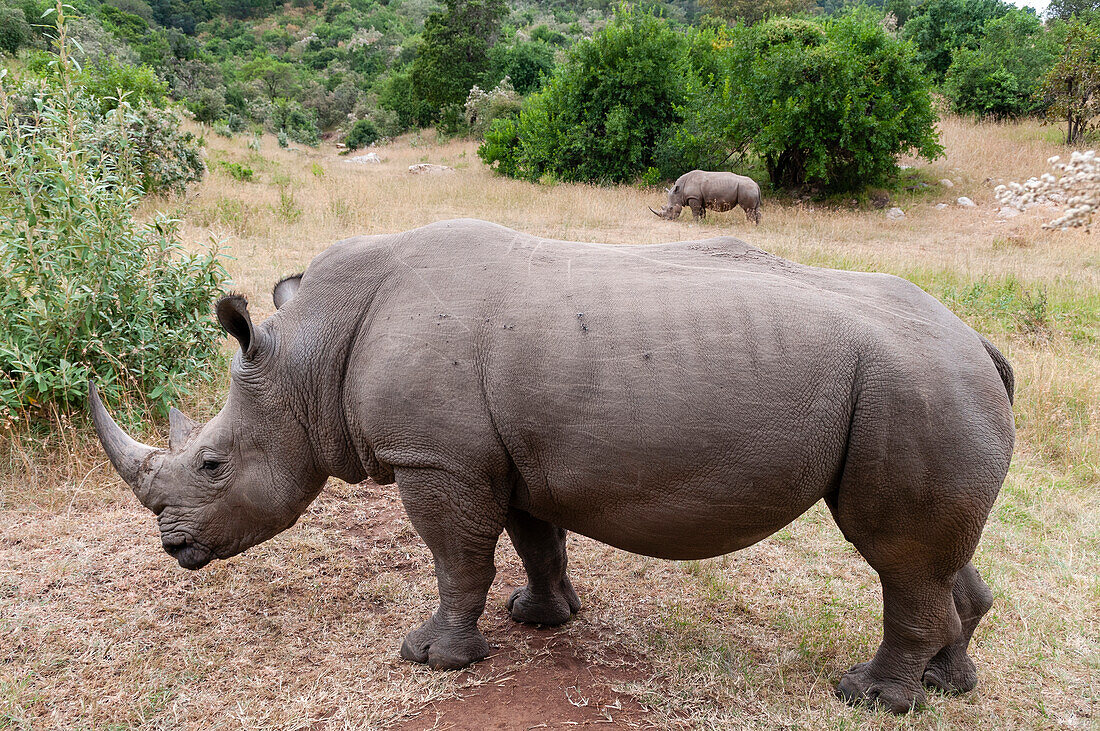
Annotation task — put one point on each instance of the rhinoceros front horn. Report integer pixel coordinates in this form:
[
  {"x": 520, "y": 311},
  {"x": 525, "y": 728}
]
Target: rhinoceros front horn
[
  {"x": 126, "y": 455},
  {"x": 658, "y": 215}
]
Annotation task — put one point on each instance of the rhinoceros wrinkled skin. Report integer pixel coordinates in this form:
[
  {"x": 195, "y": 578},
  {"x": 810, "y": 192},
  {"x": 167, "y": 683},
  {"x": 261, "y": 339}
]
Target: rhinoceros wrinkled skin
[
  {"x": 675, "y": 400},
  {"x": 700, "y": 191}
]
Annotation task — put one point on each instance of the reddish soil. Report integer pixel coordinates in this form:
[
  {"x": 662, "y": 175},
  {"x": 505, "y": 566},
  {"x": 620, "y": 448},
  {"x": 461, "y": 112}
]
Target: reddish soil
[{"x": 547, "y": 685}]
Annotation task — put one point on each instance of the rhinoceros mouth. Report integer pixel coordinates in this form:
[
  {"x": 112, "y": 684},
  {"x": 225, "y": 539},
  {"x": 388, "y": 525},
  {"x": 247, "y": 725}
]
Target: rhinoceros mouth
[{"x": 190, "y": 554}]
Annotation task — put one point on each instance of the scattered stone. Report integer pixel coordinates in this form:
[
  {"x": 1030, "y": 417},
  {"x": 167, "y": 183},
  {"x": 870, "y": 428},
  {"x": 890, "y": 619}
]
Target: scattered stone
[
  {"x": 905, "y": 167},
  {"x": 941, "y": 206},
  {"x": 1007, "y": 212},
  {"x": 371, "y": 158},
  {"x": 895, "y": 213},
  {"x": 966, "y": 202},
  {"x": 946, "y": 182},
  {"x": 429, "y": 169}
]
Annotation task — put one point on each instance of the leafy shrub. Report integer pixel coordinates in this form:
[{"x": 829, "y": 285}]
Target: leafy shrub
[
  {"x": 237, "y": 171},
  {"x": 827, "y": 104},
  {"x": 15, "y": 31},
  {"x": 107, "y": 81},
  {"x": 525, "y": 64},
  {"x": 600, "y": 116},
  {"x": 396, "y": 93},
  {"x": 941, "y": 26},
  {"x": 1000, "y": 78},
  {"x": 361, "y": 134},
  {"x": 290, "y": 120},
  {"x": 89, "y": 290},
  {"x": 482, "y": 107}
]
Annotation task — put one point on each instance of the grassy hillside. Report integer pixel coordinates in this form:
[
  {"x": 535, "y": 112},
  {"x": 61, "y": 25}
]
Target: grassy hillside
[{"x": 101, "y": 630}]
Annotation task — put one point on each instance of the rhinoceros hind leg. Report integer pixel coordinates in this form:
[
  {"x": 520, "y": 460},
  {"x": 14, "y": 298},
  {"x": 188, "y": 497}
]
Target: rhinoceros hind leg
[
  {"x": 919, "y": 619},
  {"x": 462, "y": 538},
  {"x": 548, "y": 597},
  {"x": 952, "y": 670}
]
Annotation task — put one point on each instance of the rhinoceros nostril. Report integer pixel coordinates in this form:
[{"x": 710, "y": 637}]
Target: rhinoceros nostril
[{"x": 174, "y": 544}]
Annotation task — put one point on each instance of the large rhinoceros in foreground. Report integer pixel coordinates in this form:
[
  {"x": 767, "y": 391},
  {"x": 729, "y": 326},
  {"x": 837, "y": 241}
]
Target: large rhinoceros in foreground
[{"x": 676, "y": 400}]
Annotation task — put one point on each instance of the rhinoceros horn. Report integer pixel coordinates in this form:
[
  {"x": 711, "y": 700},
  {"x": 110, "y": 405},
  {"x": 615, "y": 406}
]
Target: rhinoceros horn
[
  {"x": 658, "y": 215},
  {"x": 128, "y": 456}
]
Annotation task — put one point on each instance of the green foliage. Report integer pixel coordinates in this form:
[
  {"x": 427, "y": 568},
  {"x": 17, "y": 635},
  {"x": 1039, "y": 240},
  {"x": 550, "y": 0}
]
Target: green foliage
[
  {"x": 751, "y": 11},
  {"x": 15, "y": 31},
  {"x": 90, "y": 291},
  {"x": 1073, "y": 84},
  {"x": 290, "y": 120},
  {"x": 396, "y": 94},
  {"x": 483, "y": 107},
  {"x": 361, "y": 134},
  {"x": 830, "y": 109},
  {"x": 600, "y": 116},
  {"x": 525, "y": 65},
  {"x": 1000, "y": 78},
  {"x": 237, "y": 171},
  {"x": 941, "y": 26},
  {"x": 106, "y": 82},
  {"x": 455, "y": 51},
  {"x": 822, "y": 103},
  {"x": 1067, "y": 9}
]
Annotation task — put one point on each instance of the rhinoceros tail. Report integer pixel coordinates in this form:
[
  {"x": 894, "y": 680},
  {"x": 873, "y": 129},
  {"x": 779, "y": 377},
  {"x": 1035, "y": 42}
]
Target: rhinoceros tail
[{"x": 1003, "y": 367}]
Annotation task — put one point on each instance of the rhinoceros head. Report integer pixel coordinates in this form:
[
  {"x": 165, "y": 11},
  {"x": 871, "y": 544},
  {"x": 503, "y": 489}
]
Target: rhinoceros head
[
  {"x": 675, "y": 204},
  {"x": 226, "y": 485}
]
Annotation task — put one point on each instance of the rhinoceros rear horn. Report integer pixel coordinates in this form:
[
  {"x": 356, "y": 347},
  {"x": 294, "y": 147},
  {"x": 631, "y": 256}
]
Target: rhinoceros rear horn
[
  {"x": 127, "y": 455},
  {"x": 286, "y": 290},
  {"x": 179, "y": 428},
  {"x": 232, "y": 312}
]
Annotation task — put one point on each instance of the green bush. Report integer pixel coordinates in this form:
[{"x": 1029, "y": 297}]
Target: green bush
[
  {"x": 237, "y": 171},
  {"x": 15, "y": 31},
  {"x": 89, "y": 291},
  {"x": 288, "y": 119},
  {"x": 828, "y": 104},
  {"x": 484, "y": 107},
  {"x": 106, "y": 82},
  {"x": 361, "y": 134},
  {"x": 1000, "y": 78},
  {"x": 938, "y": 27},
  {"x": 600, "y": 116}
]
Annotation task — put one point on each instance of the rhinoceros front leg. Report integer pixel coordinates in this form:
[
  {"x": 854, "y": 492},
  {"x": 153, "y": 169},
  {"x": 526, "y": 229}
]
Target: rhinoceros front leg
[
  {"x": 548, "y": 597},
  {"x": 460, "y": 523}
]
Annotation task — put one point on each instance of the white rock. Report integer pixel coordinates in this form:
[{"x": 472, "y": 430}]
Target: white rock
[
  {"x": 966, "y": 202},
  {"x": 429, "y": 168},
  {"x": 1007, "y": 212},
  {"x": 905, "y": 167},
  {"x": 941, "y": 206},
  {"x": 371, "y": 158},
  {"x": 895, "y": 213},
  {"x": 946, "y": 182}
]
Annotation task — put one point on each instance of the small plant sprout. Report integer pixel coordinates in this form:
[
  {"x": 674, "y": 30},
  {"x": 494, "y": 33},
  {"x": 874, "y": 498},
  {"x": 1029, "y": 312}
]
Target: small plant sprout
[{"x": 1078, "y": 187}]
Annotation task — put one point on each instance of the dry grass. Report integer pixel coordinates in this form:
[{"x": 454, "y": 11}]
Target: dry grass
[{"x": 98, "y": 629}]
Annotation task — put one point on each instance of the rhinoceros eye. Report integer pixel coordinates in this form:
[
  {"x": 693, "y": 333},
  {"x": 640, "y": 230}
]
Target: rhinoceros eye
[{"x": 211, "y": 465}]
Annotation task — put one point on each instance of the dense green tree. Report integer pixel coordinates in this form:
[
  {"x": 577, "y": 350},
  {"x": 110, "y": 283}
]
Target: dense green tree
[
  {"x": 524, "y": 63},
  {"x": 941, "y": 26},
  {"x": 599, "y": 118},
  {"x": 15, "y": 32},
  {"x": 751, "y": 11},
  {"x": 455, "y": 51},
  {"x": 1000, "y": 78},
  {"x": 1073, "y": 84},
  {"x": 1066, "y": 9},
  {"x": 277, "y": 78}
]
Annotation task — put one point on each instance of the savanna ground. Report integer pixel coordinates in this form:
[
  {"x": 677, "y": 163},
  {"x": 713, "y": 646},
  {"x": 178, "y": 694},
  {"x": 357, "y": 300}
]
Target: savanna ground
[{"x": 100, "y": 629}]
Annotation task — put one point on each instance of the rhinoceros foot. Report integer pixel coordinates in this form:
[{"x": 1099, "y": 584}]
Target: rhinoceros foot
[
  {"x": 951, "y": 672},
  {"x": 442, "y": 647},
  {"x": 549, "y": 607},
  {"x": 860, "y": 686}
]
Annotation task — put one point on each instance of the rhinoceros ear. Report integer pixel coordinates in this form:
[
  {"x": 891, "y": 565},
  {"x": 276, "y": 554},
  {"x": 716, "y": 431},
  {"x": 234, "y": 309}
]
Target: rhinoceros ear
[
  {"x": 179, "y": 428},
  {"x": 285, "y": 290},
  {"x": 232, "y": 313}
]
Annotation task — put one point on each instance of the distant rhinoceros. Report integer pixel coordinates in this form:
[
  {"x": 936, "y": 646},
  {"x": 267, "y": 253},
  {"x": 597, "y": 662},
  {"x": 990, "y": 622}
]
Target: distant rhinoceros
[
  {"x": 675, "y": 400},
  {"x": 700, "y": 190}
]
